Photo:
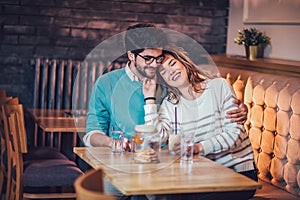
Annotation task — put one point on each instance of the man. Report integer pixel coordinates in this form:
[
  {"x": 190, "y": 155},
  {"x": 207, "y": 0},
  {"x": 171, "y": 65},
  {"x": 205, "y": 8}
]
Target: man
[{"x": 117, "y": 100}]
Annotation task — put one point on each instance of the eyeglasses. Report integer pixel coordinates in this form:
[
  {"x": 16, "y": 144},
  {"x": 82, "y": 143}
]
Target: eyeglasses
[{"x": 150, "y": 59}]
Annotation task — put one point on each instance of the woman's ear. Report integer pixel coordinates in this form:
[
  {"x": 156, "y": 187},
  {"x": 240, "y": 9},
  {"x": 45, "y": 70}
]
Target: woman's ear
[{"x": 130, "y": 56}]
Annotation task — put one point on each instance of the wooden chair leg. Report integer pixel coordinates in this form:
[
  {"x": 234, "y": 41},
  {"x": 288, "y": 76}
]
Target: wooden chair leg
[
  {"x": 8, "y": 182},
  {"x": 1, "y": 182}
]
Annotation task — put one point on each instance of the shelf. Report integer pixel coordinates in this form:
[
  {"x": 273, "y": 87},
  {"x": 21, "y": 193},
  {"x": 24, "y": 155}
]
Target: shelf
[{"x": 265, "y": 65}]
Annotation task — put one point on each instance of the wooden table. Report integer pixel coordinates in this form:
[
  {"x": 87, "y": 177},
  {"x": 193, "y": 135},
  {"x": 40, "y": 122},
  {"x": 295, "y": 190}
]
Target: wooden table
[
  {"x": 170, "y": 176},
  {"x": 57, "y": 121}
]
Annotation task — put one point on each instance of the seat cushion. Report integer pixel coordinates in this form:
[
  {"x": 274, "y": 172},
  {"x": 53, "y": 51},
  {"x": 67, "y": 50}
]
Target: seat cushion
[
  {"x": 40, "y": 153},
  {"x": 48, "y": 173}
]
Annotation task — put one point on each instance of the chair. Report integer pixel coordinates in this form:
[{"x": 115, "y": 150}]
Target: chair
[
  {"x": 89, "y": 186},
  {"x": 38, "y": 153},
  {"x": 35, "y": 179}
]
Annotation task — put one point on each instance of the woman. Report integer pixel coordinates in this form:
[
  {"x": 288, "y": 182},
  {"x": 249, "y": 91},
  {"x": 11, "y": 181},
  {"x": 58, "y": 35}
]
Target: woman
[{"x": 201, "y": 103}]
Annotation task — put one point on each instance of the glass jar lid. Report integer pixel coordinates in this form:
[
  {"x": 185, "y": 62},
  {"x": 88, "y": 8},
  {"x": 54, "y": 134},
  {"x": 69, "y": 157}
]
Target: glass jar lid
[{"x": 144, "y": 128}]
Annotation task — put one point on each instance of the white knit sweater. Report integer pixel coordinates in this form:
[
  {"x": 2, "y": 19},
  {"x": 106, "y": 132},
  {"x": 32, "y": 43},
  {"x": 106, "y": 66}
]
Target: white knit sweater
[{"x": 225, "y": 142}]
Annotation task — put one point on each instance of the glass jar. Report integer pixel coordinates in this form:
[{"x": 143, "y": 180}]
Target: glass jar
[{"x": 147, "y": 144}]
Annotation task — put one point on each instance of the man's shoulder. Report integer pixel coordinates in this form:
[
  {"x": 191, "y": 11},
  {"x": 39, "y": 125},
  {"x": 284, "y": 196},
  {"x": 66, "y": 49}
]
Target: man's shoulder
[{"x": 113, "y": 75}]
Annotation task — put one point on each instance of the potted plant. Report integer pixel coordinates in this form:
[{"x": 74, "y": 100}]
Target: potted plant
[{"x": 254, "y": 41}]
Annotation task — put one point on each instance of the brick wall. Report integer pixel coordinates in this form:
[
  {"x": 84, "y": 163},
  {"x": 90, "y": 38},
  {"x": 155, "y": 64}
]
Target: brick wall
[{"x": 72, "y": 28}]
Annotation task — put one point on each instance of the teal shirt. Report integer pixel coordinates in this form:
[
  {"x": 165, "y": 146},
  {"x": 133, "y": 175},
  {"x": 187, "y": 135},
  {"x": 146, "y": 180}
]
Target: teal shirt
[{"x": 116, "y": 101}]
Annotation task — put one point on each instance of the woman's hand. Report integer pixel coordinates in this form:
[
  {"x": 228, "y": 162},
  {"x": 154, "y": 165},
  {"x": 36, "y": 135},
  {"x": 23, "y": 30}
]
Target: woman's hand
[
  {"x": 238, "y": 115},
  {"x": 198, "y": 148},
  {"x": 176, "y": 147},
  {"x": 149, "y": 87}
]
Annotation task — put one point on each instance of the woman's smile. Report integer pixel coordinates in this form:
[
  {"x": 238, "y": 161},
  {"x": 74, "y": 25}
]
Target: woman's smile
[{"x": 176, "y": 76}]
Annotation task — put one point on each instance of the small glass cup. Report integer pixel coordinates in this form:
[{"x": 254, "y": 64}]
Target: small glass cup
[
  {"x": 187, "y": 146},
  {"x": 117, "y": 141},
  {"x": 174, "y": 137}
]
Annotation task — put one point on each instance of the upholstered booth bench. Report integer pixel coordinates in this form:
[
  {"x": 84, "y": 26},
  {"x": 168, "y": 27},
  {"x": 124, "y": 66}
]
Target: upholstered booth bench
[{"x": 273, "y": 124}]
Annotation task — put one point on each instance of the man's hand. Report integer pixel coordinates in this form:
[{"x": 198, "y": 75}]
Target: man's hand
[
  {"x": 127, "y": 145},
  {"x": 238, "y": 115}
]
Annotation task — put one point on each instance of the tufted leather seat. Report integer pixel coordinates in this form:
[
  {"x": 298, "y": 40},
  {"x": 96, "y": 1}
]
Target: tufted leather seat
[{"x": 273, "y": 124}]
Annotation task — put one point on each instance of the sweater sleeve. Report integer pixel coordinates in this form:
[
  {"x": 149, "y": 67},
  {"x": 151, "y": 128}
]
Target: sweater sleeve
[
  {"x": 154, "y": 118},
  {"x": 227, "y": 134},
  {"x": 98, "y": 114}
]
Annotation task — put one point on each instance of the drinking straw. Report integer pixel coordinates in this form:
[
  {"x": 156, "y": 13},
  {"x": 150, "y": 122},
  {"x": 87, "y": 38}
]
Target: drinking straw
[{"x": 175, "y": 120}]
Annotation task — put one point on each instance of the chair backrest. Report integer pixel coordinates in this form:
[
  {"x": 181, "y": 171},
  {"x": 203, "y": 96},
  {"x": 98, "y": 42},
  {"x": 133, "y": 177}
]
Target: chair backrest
[
  {"x": 3, "y": 100},
  {"x": 90, "y": 186},
  {"x": 3, "y": 155},
  {"x": 16, "y": 156},
  {"x": 16, "y": 145},
  {"x": 10, "y": 107}
]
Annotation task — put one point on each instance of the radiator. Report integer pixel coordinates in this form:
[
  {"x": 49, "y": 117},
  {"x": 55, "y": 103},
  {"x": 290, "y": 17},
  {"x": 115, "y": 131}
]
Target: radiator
[{"x": 57, "y": 81}]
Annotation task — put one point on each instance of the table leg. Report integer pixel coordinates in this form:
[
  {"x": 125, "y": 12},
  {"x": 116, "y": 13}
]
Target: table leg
[
  {"x": 43, "y": 138},
  {"x": 74, "y": 144},
  {"x": 74, "y": 139},
  {"x": 36, "y": 128},
  {"x": 51, "y": 139},
  {"x": 59, "y": 141}
]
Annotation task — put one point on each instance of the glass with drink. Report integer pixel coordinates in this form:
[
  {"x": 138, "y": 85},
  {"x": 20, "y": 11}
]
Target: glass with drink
[
  {"x": 174, "y": 137},
  {"x": 117, "y": 141},
  {"x": 187, "y": 146}
]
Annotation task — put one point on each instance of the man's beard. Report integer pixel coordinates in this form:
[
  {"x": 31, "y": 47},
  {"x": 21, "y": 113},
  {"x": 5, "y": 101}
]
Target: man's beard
[{"x": 143, "y": 72}]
